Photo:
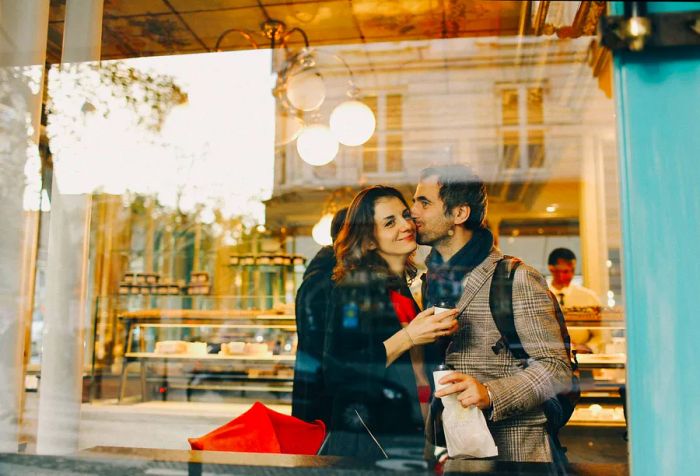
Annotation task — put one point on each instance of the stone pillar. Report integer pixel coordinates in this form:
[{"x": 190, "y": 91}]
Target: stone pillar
[
  {"x": 24, "y": 27},
  {"x": 67, "y": 303}
]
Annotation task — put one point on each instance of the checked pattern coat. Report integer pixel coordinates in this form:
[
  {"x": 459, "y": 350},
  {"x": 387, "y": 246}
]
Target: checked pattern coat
[{"x": 517, "y": 422}]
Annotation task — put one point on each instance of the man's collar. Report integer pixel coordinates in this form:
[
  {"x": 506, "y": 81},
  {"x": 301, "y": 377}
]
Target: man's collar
[
  {"x": 475, "y": 280},
  {"x": 563, "y": 290}
]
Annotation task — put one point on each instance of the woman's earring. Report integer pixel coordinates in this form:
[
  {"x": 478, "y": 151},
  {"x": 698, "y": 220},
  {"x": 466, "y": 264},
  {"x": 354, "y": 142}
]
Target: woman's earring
[{"x": 451, "y": 232}]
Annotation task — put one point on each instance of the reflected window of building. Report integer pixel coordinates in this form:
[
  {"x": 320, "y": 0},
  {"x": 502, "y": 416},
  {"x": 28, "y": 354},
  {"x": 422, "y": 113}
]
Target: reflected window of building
[
  {"x": 370, "y": 163},
  {"x": 522, "y": 135},
  {"x": 394, "y": 132}
]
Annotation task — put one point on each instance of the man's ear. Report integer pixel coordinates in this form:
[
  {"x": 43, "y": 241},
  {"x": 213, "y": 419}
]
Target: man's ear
[{"x": 461, "y": 214}]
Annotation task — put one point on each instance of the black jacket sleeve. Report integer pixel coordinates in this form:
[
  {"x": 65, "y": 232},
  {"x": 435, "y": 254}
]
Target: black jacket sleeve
[{"x": 354, "y": 340}]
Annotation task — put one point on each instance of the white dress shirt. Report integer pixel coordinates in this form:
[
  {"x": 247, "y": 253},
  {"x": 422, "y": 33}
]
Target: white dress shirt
[{"x": 575, "y": 296}]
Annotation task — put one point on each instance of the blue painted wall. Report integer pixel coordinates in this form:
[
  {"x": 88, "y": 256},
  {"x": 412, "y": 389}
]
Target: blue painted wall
[{"x": 657, "y": 97}]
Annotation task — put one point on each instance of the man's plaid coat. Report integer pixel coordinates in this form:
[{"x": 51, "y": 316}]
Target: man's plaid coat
[{"x": 517, "y": 422}]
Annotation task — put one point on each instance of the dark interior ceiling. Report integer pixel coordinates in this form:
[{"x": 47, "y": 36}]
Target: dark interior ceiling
[{"x": 133, "y": 28}]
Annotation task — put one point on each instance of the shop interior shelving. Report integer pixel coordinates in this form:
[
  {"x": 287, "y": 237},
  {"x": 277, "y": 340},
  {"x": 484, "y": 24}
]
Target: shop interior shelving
[
  {"x": 602, "y": 375},
  {"x": 270, "y": 371}
]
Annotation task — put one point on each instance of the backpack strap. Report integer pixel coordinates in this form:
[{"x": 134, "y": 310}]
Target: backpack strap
[{"x": 501, "y": 306}]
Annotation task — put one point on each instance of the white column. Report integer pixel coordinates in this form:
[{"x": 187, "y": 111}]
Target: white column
[
  {"x": 67, "y": 306},
  {"x": 24, "y": 27},
  {"x": 594, "y": 246}
]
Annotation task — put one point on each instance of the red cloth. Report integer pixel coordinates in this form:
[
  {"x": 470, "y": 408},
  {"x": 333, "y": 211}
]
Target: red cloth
[
  {"x": 405, "y": 309},
  {"x": 261, "y": 430},
  {"x": 424, "y": 393}
]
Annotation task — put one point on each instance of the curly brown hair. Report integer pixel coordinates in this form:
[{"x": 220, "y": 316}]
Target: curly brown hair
[{"x": 353, "y": 248}]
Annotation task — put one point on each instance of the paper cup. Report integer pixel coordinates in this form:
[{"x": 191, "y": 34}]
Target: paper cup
[{"x": 437, "y": 375}]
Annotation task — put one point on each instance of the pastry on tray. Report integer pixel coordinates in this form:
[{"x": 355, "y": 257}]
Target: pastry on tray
[{"x": 171, "y": 347}]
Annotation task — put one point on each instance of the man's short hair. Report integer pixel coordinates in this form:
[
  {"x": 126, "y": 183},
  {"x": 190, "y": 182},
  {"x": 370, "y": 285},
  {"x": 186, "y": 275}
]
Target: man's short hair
[
  {"x": 560, "y": 254},
  {"x": 337, "y": 223},
  {"x": 459, "y": 185}
]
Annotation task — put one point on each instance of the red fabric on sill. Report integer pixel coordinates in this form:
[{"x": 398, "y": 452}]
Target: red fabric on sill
[
  {"x": 261, "y": 430},
  {"x": 405, "y": 310}
]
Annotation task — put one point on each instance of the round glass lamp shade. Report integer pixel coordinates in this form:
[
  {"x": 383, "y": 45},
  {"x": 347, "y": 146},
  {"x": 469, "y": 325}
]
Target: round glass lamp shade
[
  {"x": 352, "y": 123},
  {"x": 306, "y": 90},
  {"x": 321, "y": 232},
  {"x": 317, "y": 145},
  {"x": 288, "y": 128}
]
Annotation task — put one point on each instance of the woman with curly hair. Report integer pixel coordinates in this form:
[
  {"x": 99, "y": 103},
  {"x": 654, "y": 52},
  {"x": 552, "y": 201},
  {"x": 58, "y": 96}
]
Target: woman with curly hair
[{"x": 372, "y": 363}]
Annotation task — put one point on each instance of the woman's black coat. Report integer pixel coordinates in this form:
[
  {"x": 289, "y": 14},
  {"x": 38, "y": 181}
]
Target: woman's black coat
[{"x": 359, "y": 387}]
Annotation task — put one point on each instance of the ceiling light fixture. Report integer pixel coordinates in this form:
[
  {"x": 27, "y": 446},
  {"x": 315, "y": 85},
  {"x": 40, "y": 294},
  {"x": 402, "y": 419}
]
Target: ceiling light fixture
[
  {"x": 352, "y": 122},
  {"x": 300, "y": 89},
  {"x": 321, "y": 231},
  {"x": 317, "y": 145}
]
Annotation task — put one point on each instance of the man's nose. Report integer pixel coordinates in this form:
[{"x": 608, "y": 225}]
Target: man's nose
[
  {"x": 406, "y": 223},
  {"x": 413, "y": 210}
]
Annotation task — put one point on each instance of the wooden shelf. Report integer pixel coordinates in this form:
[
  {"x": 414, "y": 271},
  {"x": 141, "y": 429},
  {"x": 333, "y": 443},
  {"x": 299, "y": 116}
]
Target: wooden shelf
[
  {"x": 573, "y": 324},
  {"x": 235, "y": 388},
  {"x": 601, "y": 361},
  {"x": 205, "y": 314},
  {"x": 212, "y": 357}
]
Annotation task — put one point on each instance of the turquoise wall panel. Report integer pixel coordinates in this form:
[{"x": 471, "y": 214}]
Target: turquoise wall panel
[{"x": 657, "y": 97}]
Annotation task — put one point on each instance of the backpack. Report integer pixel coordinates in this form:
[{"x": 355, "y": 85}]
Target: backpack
[{"x": 557, "y": 409}]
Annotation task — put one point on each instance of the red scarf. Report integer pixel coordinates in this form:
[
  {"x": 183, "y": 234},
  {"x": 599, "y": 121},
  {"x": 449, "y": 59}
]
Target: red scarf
[
  {"x": 403, "y": 306},
  {"x": 405, "y": 312}
]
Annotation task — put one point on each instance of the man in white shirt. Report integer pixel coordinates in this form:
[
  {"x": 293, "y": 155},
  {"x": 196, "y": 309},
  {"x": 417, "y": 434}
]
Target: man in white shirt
[{"x": 562, "y": 265}]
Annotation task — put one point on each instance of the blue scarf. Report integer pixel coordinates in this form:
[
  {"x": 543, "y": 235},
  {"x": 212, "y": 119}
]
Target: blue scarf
[{"x": 444, "y": 279}]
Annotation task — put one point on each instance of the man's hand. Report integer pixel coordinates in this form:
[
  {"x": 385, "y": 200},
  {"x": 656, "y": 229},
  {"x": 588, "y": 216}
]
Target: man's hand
[{"x": 470, "y": 391}]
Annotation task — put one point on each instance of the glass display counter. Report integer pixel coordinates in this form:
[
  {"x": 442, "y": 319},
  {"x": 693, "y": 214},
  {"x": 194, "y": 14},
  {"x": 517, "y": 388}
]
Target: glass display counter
[
  {"x": 602, "y": 371},
  {"x": 195, "y": 351}
]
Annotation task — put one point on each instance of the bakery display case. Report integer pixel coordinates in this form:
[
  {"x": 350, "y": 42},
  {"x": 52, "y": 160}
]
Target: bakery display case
[
  {"x": 228, "y": 330},
  {"x": 248, "y": 352},
  {"x": 602, "y": 360}
]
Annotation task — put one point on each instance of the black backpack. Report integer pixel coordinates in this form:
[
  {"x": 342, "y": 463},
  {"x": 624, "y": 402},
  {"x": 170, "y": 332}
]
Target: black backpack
[{"x": 557, "y": 409}]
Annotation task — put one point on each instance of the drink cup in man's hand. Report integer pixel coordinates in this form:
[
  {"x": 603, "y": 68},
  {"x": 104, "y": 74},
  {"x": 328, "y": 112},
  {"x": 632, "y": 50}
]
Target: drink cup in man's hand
[{"x": 439, "y": 373}]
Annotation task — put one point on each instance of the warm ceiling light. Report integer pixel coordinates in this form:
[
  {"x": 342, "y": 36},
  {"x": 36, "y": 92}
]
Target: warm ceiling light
[
  {"x": 321, "y": 232},
  {"x": 552, "y": 208},
  {"x": 306, "y": 90},
  {"x": 288, "y": 128},
  {"x": 317, "y": 145},
  {"x": 352, "y": 122}
]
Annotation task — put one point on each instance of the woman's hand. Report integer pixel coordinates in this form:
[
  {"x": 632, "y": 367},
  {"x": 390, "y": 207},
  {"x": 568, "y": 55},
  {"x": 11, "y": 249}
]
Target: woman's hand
[{"x": 428, "y": 327}]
